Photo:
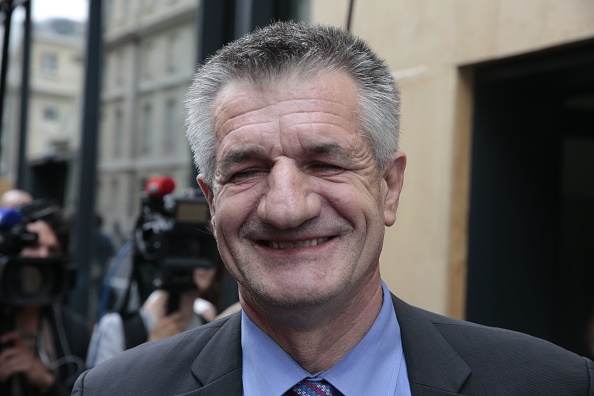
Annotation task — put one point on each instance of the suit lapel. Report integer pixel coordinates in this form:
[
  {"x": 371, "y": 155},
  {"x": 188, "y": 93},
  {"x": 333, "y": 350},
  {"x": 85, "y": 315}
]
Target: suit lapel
[
  {"x": 218, "y": 365},
  {"x": 434, "y": 367}
]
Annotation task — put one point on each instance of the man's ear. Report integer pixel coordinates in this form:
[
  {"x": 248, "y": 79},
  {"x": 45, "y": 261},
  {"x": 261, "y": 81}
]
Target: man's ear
[
  {"x": 208, "y": 193},
  {"x": 394, "y": 179}
]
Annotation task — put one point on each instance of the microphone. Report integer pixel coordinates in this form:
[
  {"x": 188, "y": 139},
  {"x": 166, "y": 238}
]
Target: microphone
[
  {"x": 159, "y": 186},
  {"x": 9, "y": 217}
]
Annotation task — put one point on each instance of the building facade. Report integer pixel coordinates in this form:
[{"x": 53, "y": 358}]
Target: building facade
[
  {"x": 149, "y": 59},
  {"x": 55, "y": 91},
  {"x": 497, "y": 116}
]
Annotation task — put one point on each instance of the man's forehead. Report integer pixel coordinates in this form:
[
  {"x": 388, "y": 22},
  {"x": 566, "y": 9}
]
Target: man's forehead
[
  {"x": 231, "y": 98},
  {"x": 313, "y": 117}
]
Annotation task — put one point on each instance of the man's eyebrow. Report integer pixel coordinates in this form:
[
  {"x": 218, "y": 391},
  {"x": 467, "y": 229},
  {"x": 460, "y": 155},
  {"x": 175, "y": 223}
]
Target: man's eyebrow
[
  {"x": 235, "y": 157},
  {"x": 239, "y": 156},
  {"x": 331, "y": 149}
]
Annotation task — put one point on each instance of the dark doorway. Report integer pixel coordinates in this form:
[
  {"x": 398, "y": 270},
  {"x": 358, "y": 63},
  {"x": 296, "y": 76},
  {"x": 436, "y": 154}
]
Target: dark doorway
[
  {"x": 49, "y": 179},
  {"x": 531, "y": 225}
]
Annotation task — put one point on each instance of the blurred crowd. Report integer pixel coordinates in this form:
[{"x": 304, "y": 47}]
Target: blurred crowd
[{"x": 45, "y": 345}]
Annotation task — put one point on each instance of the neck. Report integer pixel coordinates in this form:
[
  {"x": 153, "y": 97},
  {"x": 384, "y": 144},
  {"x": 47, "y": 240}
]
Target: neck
[{"x": 319, "y": 337}]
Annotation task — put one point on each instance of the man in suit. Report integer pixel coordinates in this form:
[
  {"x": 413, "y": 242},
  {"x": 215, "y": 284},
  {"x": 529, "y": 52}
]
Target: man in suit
[{"x": 294, "y": 129}]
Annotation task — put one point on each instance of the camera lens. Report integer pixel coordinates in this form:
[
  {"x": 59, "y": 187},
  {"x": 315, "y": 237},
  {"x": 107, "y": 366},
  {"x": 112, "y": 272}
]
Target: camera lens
[{"x": 31, "y": 280}]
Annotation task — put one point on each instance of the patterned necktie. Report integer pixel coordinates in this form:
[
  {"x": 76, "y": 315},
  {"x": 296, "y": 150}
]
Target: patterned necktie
[{"x": 312, "y": 388}]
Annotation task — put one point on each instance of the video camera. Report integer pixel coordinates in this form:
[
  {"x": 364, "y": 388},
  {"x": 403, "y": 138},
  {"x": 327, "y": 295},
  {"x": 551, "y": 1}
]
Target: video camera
[
  {"x": 172, "y": 239},
  {"x": 28, "y": 280}
]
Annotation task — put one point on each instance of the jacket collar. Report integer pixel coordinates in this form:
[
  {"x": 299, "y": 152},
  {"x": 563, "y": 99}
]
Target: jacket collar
[
  {"x": 218, "y": 365},
  {"x": 434, "y": 367}
]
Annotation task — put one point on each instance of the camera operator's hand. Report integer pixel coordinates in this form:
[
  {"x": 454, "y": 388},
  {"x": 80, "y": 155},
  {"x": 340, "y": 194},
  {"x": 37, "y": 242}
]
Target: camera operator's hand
[
  {"x": 168, "y": 325},
  {"x": 174, "y": 323},
  {"x": 19, "y": 359}
]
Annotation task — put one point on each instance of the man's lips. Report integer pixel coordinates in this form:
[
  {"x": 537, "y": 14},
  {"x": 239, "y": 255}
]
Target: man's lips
[{"x": 294, "y": 244}]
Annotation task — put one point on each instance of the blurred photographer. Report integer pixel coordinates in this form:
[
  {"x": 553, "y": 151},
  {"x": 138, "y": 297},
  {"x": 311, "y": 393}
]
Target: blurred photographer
[
  {"x": 44, "y": 348},
  {"x": 176, "y": 273},
  {"x": 115, "y": 333}
]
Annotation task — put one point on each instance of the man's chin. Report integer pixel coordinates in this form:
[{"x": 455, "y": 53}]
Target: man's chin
[{"x": 289, "y": 297}]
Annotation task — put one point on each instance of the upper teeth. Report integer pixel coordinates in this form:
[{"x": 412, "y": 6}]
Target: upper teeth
[{"x": 298, "y": 244}]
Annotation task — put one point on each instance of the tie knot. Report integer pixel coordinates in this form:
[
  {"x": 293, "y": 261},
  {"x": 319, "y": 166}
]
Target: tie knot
[{"x": 312, "y": 388}]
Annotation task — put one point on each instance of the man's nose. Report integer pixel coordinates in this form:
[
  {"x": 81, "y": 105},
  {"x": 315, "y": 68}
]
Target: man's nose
[{"x": 289, "y": 199}]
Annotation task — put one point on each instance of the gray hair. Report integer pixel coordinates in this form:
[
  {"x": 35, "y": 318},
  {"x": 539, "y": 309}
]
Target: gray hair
[{"x": 294, "y": 48}]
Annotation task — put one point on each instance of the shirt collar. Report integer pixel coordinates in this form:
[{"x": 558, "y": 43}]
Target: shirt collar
[{"x": 268, "y": 369}]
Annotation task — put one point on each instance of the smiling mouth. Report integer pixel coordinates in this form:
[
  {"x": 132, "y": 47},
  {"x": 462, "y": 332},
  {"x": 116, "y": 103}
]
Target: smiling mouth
[{"x": 295, "y": 244}]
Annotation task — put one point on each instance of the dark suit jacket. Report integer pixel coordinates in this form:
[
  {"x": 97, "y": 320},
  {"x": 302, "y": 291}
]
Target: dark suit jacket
[
  {"x": 443, "y": 356},
  {"x": 71, "y": 336}
]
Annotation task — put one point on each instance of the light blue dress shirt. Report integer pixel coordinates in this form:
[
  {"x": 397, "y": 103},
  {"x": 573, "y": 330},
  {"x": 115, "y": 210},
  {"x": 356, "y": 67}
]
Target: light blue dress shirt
[{"x": 375, "y": 366}]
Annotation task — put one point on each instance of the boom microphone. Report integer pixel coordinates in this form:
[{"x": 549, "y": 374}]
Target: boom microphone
[{"x": 159, "y": 186}]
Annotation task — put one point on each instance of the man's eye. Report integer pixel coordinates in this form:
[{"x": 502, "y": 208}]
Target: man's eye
[
  {"x": 244, "y": 174},
  {"x": 326, "y": 168}
]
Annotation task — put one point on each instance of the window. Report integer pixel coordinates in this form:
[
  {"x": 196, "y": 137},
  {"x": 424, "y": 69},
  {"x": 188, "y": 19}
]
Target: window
[
  {"x": 170, "y": 129},
  {"x": 171, "y": 57},
  {"x": 147, "y": 59},
  {"x": 147, "y": 127},
  {"x": 118, "y": 60},
  {"x": 62, "y": 26},
  {"x": 50, "y": 113},
  {"x": 118, "y": 134},
  {"x": 149, "y": 4},
  {"x": 109, "y": 8},
  {"x": 49, "y": 63}
]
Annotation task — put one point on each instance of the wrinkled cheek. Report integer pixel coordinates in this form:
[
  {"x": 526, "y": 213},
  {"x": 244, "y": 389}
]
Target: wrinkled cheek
[
  {"x": 224, "y": 238},
  {"x": 233, "y": 211}
]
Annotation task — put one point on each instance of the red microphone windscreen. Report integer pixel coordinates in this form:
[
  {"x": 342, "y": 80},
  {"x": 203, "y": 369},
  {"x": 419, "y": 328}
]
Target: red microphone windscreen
[{"x": 159, "y": 186}]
